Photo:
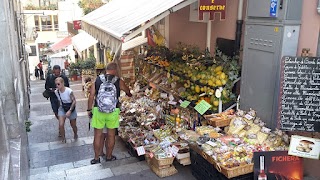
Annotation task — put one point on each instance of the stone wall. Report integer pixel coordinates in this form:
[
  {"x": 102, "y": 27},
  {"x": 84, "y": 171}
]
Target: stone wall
[{"x": 14, "y": 93}]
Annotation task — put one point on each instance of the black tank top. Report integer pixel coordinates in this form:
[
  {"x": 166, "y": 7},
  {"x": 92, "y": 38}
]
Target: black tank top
[{"x": 99, "y": 82}]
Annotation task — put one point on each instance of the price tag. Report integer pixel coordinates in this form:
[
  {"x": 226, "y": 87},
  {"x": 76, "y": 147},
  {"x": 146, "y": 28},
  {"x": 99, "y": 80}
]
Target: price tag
[
  {"x": 218, "y": 93},
  {"x": 141, "y": 151},
  {"x": 174, "y": 150},
  {"x": 132, "y": 110},
  {"x": 171, "y": 98},
  {"x": 202, "y": 107},
  {"x": 211, "y": 143},
  {"x": 172, "y": 103},
  {"x": 185, "y": 104},
  {"x": 158, "y": 108},
  {"x": 248, "y": 116},
  {"x": 180, "y": 101},
  {"x": 164, "y": 95},
  {"x": 151, "y": 155}
]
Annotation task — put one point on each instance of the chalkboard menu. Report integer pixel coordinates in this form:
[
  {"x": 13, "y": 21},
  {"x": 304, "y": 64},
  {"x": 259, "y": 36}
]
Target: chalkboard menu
[{"x": 299, "y": 100}]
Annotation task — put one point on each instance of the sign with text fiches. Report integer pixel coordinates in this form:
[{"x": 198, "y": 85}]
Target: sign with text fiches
[
  {"x": 212, "y": 7},
  {"x": 299, "y": 100},
  {"x": 277, "y": 165}
]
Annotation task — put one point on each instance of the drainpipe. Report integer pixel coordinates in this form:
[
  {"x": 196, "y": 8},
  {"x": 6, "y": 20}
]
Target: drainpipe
[
  {"x": 318, "y": 7},
  {"x": 208, "y": 35},
  {"x": 239, "y": 28}
]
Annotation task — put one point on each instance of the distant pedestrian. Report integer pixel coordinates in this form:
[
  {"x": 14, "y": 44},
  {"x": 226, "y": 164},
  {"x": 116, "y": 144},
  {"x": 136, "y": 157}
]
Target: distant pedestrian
[
  {"x": 51, "y": 87},
  {"x": 66, "y": 109},
  {"x": 36, "y": 72},
  {"x": 106, "y": 91},
  {"x": 40, "y": 66}
]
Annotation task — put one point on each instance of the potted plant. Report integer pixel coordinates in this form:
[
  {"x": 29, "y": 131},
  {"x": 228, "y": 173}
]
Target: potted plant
[{"x": 74, "y": 68}]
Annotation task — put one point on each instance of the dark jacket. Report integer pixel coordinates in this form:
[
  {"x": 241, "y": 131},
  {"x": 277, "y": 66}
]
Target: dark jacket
[{"x": 50, "y": 83}]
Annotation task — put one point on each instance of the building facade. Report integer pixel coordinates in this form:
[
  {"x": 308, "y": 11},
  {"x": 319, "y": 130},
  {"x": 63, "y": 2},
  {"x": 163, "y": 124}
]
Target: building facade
[
  {"x": 14, "y": 93},
  {"x": 46, "y": 24}
]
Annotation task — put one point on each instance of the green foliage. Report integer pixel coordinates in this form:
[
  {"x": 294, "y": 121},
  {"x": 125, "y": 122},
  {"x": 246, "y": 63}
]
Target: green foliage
[
  {"x": 89, "y": 5},
  {"x": 33, "y": 7},
  {"x": 27, "y": 125},
  {"x": 89, "y": 63}
]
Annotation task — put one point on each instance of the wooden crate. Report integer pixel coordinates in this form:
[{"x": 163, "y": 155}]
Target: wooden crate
[{"x": 218, "y": 122}]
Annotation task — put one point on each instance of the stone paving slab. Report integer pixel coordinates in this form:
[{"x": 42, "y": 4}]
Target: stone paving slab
[
  {"x": 39, "y": 170},
  {"x": 92, "y": 175},
  {"x": 125, "y": 169}
]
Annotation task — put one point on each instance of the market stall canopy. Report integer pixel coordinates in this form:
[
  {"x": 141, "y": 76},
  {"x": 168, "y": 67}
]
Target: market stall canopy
[
  {"x": 60, "y": 54},
  {"x": 61, "y": 44},
  {"x": 114, "y": 23},
  {"x": 83, "y": 41}
]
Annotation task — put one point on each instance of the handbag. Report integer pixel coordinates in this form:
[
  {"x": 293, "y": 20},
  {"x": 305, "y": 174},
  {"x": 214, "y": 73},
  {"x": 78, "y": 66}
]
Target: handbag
[
  {"x": 46, "y": 94},
  {"x": 66, "y": 106}
]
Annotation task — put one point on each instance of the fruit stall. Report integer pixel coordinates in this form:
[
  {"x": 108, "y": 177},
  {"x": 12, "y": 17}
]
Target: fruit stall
[{"x": 180, "y": 111}]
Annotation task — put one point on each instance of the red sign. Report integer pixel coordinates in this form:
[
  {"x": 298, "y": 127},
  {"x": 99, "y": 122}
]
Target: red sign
[
  {"x": 212, "y": 7},
  {"x": 76, "y": 24}
]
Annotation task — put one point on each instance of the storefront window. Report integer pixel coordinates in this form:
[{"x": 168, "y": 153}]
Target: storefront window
[
  {"x": 36, "y": 22},
  {"x": 46, "y": 23},
  {"x": 33, "y": 51},
  {"x": 56, "y": 22}
]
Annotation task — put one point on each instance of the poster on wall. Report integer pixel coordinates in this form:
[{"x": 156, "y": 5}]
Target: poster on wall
[
  {"x": 270, "y": 166},
  {"x": 304, "y": 147}
]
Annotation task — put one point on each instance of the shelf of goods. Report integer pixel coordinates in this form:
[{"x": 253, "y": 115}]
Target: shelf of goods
[
  {"x": 160, "y": 131},
  {"x": 193, "y": 80}
]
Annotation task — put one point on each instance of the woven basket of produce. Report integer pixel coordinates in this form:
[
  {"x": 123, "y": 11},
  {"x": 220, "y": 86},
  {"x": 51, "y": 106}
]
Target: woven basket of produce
[
  {"x": 171, "y": 170},
  {"x": 162, "y": 162},
  {"x": 235, "y": 171}
]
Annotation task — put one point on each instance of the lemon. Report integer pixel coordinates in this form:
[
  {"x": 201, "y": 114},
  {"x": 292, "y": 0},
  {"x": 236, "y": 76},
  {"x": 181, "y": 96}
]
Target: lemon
[
  {"x": 197, "y": 89},
  {"x": 210, "y": 82},
  {"x": 223, "y": 81},
  {"x": 218, "y": 83},
  {"x": 218, "y": 68},
  {"x": 222, "y": 75},
  {"x": 216, "y": 103}
]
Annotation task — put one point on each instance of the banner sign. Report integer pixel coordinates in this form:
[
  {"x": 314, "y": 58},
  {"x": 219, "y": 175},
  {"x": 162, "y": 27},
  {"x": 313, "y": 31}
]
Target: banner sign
[{"x": 212, "y": 7}]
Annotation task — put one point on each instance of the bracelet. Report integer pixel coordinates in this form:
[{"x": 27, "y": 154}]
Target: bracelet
[{"x": 89, "y": 110}]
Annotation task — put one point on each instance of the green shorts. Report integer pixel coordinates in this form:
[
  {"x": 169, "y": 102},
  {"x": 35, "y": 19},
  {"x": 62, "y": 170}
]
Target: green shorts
[{"x": 101, "y": 120}]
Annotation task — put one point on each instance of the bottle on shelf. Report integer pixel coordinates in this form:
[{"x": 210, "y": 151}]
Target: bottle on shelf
[{"x": 262, "y": 175}]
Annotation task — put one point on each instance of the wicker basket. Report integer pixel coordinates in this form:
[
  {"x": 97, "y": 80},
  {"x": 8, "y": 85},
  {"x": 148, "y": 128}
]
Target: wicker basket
[
  {"x": 161, "y": 162},
  {"x": 219, "y": 122},
  {"x": 235, "y": 171},
  {"x": 171, "y": 170}
]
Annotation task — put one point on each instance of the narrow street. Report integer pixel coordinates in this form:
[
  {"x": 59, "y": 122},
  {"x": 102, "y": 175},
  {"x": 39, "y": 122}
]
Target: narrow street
[{"x": 51, "y": 159}]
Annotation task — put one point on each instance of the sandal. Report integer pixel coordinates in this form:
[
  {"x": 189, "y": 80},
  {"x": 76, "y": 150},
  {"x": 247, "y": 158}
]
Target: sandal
[
  {"x": 95, "y": 161},
  {"x": 113, "y": 158}
]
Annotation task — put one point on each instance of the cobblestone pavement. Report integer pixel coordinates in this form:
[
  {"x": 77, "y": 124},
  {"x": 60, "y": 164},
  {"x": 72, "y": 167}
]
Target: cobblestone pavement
[{"x": 52, "y": 159}]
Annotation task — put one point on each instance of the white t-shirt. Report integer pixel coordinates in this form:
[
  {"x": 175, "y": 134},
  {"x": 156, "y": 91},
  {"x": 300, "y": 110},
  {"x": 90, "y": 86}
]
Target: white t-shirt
[{"x": 65, "y": 96}]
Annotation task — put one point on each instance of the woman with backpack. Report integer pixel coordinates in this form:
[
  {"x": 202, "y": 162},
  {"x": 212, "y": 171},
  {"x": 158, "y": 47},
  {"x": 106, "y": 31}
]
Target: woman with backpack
[{"x": 67, "y": 107}]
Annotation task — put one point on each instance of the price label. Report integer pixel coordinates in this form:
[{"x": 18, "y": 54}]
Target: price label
[
  {"x": 248, "y": 116},
  {"x": 158, "y": 108},
  {"x": 171, "y": 98},
  {"x": 185, "y": 104},
  {"x": 172, "y": 103},
  {"x": 151, "y": 155},
  {"x": 202, "y": 107},
  {"x": 141, "y": 151},
  {"x": 164, "y": 95},
  {"x": 174, "y": 150}
]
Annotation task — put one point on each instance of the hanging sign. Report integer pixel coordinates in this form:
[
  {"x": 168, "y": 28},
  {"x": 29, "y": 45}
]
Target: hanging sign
[
  {"x": 185, "y": 104},
  {"x": 212, "y": 7},
  {"x": 202, "y": 107}
]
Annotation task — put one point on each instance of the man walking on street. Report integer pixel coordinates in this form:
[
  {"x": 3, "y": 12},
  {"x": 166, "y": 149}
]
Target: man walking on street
[
  {"x": 51, "y": 87},
  {"x": 106, "y": 110}
]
